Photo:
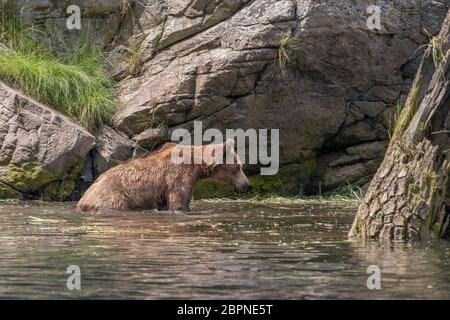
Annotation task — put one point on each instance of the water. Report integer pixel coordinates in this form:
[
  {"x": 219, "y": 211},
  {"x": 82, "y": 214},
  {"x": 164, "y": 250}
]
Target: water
[{"x": 220, "y": 251}]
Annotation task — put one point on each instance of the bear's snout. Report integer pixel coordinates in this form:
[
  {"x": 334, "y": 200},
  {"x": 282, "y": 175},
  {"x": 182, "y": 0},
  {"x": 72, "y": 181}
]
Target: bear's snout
[{"x": 244, "y": 187}]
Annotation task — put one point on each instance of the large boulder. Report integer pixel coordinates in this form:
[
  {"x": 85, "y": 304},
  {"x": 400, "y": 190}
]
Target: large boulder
[
  {"x": 42, "y": 152},
  {"x": 332, "y": 99}
]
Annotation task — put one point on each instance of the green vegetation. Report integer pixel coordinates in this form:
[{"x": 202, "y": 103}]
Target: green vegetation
[
  {"x": 286, "y": 47},
  {"x": 32, "y": 179},
  {"x": 75, "y": 85},
  {"x": 27, "y": 178},
  {"x": 151, "y": 122},
  {"x": 217, "y": 192},
  {"x": 63, "y": 187},
  {"x": 134, "y": 58},
  {"x": 274, "y": 199},
  {"x": 289, "y": 181},
  {"x": 435, "y": 47},
  {"x": 403, "y": 119},
  {"x": 437, "y": 51},
  {"x": 6, "y": 192},
  {"x": 393, "y": 120},
  {"x": 407, "y": 114},
  {"x": 347, "y": 192}
]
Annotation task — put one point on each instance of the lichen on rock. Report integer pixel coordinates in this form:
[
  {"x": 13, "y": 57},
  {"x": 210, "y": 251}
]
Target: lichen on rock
[{"x": 39, "y": 147}]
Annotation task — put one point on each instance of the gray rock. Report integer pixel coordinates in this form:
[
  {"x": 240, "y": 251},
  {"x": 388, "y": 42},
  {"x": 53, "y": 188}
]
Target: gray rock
[
  {"x": 101, "y": 19},
  {"x": 112, "y": 147},
  {"x": 38, "y": 145},
  {"x": 150, "y": 138}
]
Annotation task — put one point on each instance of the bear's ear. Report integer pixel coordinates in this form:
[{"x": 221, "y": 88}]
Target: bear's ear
[
  {"x": 228, "y": 151},
  {"x": 229, "y": 144},
  {"x": 213, "y": 155}
]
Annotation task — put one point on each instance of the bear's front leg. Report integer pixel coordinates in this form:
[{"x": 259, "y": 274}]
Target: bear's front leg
[{"x": 179, "y": 202}]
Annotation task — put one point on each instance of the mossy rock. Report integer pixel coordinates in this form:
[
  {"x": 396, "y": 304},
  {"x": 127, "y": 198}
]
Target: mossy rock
[
  {"x": 289, "y": 181},
  {"x": 8, "y": 192},
  {"x": 61, "y": 189},
  {"x": 32, "y": 179},
  {"x": 27, "y": 178},
  {"x": 58, "y": 190},
  {"x": 209, "y": 189}
]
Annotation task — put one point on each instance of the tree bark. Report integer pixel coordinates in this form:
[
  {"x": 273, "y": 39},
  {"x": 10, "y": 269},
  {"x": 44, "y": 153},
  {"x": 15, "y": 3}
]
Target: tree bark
[{"x": 408, "y": 198}]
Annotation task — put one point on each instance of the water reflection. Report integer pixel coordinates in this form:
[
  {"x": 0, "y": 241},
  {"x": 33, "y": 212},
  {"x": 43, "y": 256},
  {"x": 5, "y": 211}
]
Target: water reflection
[{"x": 221, "y": 250}]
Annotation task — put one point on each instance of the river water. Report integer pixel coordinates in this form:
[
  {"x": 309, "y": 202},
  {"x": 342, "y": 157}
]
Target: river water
[{"x": 221, "y": 250}]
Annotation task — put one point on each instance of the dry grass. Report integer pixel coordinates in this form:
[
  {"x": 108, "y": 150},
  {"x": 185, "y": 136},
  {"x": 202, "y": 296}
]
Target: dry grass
[{"x": 134, "y": 58}]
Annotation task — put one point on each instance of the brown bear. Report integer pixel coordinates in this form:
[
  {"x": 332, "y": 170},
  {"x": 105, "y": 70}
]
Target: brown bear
[{"x": 157, "y": 182}]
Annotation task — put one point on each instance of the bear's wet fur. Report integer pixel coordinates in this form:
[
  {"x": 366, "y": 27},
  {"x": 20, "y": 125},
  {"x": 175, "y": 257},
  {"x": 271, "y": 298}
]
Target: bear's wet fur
[{"x": 156, "y": 182}]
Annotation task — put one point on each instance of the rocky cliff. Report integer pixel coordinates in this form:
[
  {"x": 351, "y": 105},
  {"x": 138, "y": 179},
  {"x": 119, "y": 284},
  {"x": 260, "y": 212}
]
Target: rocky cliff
[{"x": 309, "y": 68}]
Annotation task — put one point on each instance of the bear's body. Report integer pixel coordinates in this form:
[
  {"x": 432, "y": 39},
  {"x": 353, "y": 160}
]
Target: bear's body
[{"x": 156, "y": 182}]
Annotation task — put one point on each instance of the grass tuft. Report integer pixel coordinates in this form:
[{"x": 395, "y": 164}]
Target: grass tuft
[
  {"x": 407, "y": 114},
  {"x": 435, "y": 46},
  {"x": 134, "y": 58},
  {"x": 75, "y": 85},
  {"x": 286, "y": 46},
  {"x": 151, "y": 122},
  {"x": 348, "y": 193},
  {"x": 437, "y": 51},
  {"x": 394, "y": 118}
]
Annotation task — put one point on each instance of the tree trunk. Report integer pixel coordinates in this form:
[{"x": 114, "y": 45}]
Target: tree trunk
[{"x": 408, "y": 199}]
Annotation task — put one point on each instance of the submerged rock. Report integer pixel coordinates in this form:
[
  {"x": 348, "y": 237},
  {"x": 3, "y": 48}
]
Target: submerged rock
[{"x": 42, "y": 152}]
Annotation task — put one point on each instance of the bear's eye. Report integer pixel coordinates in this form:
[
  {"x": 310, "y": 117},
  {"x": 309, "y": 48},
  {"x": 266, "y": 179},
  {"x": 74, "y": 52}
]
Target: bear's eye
[{"x": 237, "y": 169}]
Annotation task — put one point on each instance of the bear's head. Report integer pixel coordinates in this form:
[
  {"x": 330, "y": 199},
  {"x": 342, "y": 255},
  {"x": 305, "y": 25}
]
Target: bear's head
[{"x": 229, "y": 170}]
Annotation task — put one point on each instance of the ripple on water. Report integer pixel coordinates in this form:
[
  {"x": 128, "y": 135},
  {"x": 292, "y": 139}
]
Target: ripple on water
[{"x": 220, "y": 250}]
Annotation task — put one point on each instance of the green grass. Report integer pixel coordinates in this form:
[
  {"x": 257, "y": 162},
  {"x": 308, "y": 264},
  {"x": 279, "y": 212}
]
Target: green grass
[
  {"x": 437, "y": 51},
  {"x": 393, "y": 119},
  {"x": 407, "y": 114},
  {"x": 347, "y": 193},
  {"x": 285, "y": 200},
  {"x": 435, "y": 46},
  {"x": 134, "y": 58},
  {"x": 150, "y": 122},
  {"x": 75, "y": 85},
  {"x": 286, "y": 47}
]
